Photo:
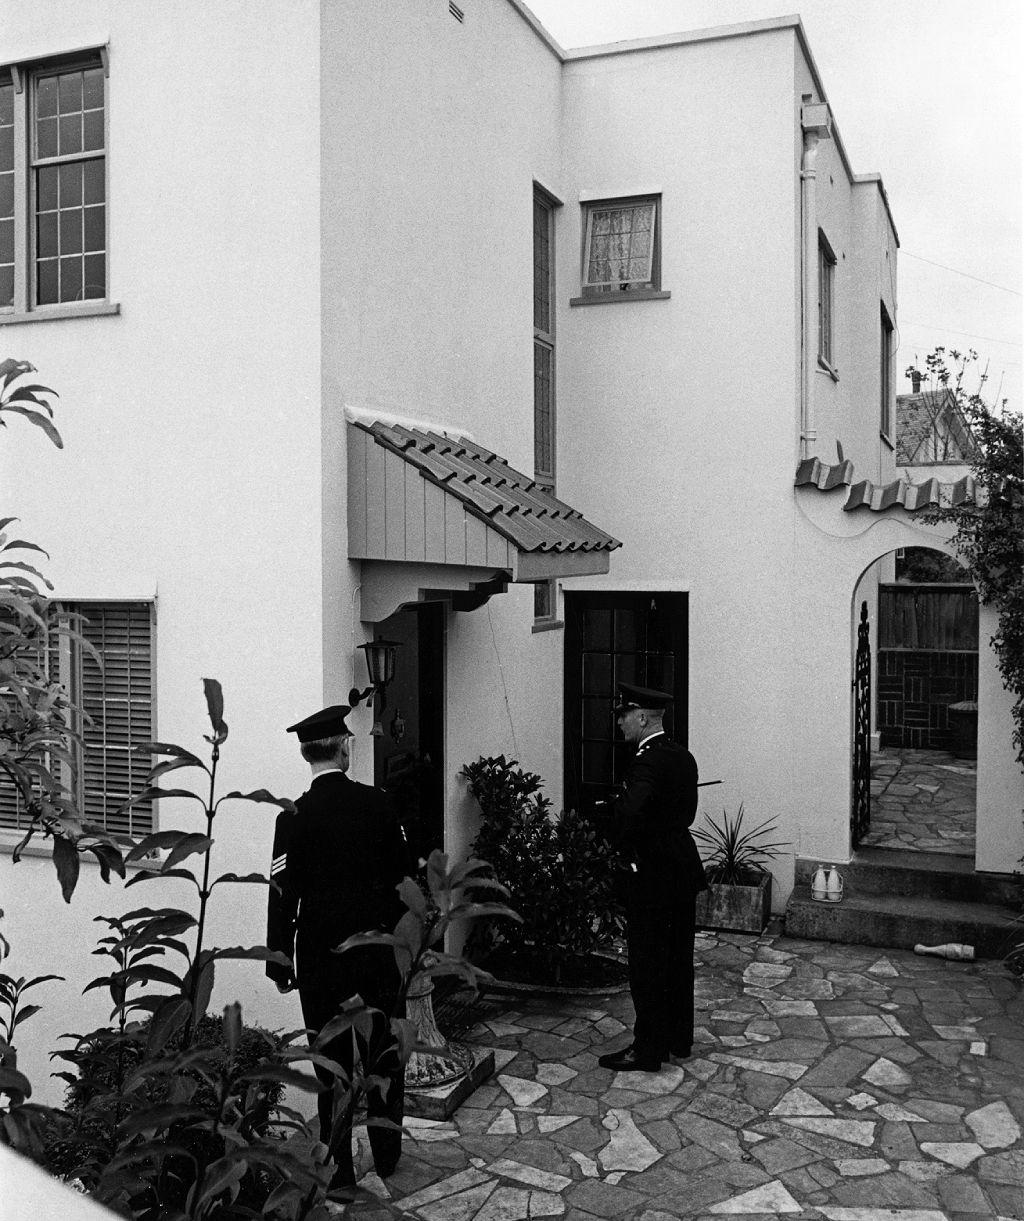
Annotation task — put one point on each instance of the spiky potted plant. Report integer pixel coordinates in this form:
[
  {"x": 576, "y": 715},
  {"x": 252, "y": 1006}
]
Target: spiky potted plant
[{"x": 739, "y": 894}]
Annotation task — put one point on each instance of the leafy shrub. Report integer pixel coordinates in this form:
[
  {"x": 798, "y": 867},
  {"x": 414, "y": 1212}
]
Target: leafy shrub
[
  {"x": 98, "y": 1058},
  {"x": 560, "y": 872}
]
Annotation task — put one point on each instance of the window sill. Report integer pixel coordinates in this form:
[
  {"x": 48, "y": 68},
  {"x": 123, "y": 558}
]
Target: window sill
[
  {"x": 643, "y": 294},
  {"x": 51, "y": 313},
  {"x": 831, "y": 370},
  {"x": 891, "y": 444},
  {"x": 548, "y": 625},
  {"x": 41, "y": 847}
]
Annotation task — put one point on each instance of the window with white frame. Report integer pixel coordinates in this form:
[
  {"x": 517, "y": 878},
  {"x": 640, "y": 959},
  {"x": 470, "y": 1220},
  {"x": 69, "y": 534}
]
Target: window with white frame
[
  {"x": 53, "y": 183},
  {"x": 103, "y": 658},
  {"x": 622, "y": 246},
  {"x": 885, "y": 375},
  {"x": 826, "y": 300}
]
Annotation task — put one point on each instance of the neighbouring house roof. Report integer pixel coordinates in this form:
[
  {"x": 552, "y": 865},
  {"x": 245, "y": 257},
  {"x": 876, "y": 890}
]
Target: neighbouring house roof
[
  {"x": 917, "y": 419},
  {"x": 419, "y": 496},
  {"x": 914, "y": 497}
]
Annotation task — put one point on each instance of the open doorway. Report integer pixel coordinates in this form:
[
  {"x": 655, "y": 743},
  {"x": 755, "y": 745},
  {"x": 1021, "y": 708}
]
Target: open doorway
[
  {"x": 923, "y": 765},
  {"x": 409, "y": 756}
]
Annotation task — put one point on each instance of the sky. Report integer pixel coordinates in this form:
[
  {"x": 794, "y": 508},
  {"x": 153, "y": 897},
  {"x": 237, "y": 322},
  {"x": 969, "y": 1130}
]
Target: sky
[{"x": 927, "y": 93}]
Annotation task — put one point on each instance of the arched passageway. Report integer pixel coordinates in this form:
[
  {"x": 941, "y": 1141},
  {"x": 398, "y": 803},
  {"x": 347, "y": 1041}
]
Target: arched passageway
[{"x": 915, "y": 723}]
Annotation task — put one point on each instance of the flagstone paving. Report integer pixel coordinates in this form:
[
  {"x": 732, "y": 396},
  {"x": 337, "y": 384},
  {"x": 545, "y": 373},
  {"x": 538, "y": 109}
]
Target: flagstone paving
[
  {"x": 828, "y": 1081},
  {"x": 922, "y": 801}
]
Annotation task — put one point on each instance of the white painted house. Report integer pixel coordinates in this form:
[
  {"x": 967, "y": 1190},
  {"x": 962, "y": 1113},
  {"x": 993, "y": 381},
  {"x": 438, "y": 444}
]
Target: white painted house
[{"x": 312, "y": 279}]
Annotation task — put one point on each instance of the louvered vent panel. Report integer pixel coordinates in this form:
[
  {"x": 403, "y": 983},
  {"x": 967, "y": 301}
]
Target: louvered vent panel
[{"x": 117, "y": 702}]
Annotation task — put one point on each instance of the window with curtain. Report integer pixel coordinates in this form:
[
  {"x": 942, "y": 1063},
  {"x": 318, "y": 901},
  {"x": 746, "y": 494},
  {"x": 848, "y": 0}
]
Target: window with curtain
[
  {"x": 112, "y": 710},
  {"x": 621, "y": 246},
  {"x": 53, "y": 183}
]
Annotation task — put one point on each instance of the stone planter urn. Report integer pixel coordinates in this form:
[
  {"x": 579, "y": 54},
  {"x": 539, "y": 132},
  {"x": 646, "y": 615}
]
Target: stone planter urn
[
  {"x": 739, "y": 908},
  {"x": 450, "y": 1061}
]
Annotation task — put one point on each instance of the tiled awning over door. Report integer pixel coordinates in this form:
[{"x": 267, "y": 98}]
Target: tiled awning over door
[{"x": 429, "y": 514}]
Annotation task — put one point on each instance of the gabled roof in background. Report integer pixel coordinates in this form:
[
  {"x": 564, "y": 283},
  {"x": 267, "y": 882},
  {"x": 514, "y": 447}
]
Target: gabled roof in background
[
  {"x": 511, "y": 503},
  {"x": 914, "y": 497},
  {"x": 917, "y": 416}
]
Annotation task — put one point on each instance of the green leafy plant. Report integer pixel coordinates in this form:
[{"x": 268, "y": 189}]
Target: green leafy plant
[
  {"x": 734, "y": 856},
  {"x": 37, "y": 740},
  {"x": 173, "y": 1113},
  {"x": 560, "y": 872},
  {"x": 23, "y": 1124}
]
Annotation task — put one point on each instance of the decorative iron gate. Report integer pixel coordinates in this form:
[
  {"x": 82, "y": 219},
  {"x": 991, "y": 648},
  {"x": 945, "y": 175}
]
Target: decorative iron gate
[{"x": 860, "y": 814}]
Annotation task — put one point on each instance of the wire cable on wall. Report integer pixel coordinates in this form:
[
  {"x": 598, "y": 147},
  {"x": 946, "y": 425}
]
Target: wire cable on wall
[{"x": 504, "y": 685}]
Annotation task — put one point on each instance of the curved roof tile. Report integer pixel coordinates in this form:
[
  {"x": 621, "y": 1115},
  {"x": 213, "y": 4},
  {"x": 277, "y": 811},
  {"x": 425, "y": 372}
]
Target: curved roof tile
[
  {"x": 510, "y": 502},
  {"x": 914, "y": 497}
]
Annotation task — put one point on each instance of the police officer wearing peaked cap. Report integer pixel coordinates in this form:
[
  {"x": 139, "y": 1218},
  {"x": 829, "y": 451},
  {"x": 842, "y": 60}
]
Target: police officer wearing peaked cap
[
  {"x": 336, "y": 863},
  {"x": 649, "y": 824}
]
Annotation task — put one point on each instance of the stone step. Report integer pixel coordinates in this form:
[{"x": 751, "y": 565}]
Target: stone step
[
  {"x": 932, "y": 875},
  {"x": 902, "y": 921}
]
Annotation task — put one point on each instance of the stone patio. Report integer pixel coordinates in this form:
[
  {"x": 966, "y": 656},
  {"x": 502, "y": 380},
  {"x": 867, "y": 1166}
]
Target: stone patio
[
  {"x": 828, "y": 1081},
  {"x": 923, "y": 801}
]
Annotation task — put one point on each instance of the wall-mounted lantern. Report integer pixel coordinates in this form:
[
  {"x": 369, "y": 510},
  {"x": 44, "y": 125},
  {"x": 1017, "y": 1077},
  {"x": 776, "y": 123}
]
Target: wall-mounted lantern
[{"x": 380, "y": 666}]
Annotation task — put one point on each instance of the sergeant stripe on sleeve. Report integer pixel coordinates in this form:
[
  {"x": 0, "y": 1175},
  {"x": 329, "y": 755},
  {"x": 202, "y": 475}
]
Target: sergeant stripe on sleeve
[{"x": 278, "y": 864}]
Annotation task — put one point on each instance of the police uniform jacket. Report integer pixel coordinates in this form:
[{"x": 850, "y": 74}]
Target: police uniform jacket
[
  {"x": 336, "y": 863},
  {"x": 650, "y": 823}
]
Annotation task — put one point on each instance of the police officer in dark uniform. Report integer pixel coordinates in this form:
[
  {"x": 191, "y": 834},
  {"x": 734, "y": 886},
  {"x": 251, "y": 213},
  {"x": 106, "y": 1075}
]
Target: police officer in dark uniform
[
  {"x": 649, "y": 823},
  {"x": 336, "y": 863}
]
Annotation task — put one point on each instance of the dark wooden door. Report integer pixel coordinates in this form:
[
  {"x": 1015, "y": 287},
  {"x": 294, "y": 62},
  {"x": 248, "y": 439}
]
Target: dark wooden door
[{"x": 611, "y": 638}]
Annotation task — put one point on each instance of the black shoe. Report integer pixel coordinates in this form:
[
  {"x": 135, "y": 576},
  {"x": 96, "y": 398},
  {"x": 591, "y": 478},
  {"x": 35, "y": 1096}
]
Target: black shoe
[
  {"x": 386, "y": 1168},
  {"x": 681, "y": 1052},
  {"x": 629, "y": 1060}
]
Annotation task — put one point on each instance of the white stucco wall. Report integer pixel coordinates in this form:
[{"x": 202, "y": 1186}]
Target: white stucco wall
[
  {"x": 435, "y": 133},
  {"x": 191, "y": 429},
  {"x": 681, "y": 411}
]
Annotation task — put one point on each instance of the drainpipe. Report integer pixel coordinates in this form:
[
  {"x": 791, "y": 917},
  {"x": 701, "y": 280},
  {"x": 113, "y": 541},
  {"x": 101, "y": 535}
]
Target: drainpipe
[{"x": 816, "y": 124}]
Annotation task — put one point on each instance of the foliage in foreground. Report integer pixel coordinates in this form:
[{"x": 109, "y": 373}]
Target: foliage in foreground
[
  {"x": 165, "y": 1123},
  {"x": 37, "y": 737},
  {"x": 559, "y": 871}
]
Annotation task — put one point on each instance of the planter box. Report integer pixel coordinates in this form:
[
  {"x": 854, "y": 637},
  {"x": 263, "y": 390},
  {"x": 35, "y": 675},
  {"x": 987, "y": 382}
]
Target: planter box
[{"x": 740, "y": 909}]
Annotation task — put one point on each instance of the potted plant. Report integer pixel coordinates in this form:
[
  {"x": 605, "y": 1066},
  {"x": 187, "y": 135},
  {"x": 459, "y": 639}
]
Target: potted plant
[{"x": 739, "y": 894}]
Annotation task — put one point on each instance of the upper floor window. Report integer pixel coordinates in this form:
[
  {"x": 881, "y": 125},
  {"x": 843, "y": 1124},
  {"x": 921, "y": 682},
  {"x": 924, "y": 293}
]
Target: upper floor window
[
  {"x": 885, "y": 376},
  {"x": 826, "y": 301},
  {"x": 111, "y": 711},
  {"x": 543, "y": 340},
  {"x": 544, "y": 600},
  {"x": 53, "y": 183},
  {"x": 622, "y": 246}
]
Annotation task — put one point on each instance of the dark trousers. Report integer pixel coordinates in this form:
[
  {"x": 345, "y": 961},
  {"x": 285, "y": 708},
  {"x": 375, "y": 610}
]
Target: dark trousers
[
  {"x": 322, "y": 994},
  {"x": 659, "y": 940}
]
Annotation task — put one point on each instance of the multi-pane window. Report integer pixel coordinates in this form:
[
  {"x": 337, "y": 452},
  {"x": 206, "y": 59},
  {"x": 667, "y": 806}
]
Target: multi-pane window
[
  {"x": 621, "y": 246},
  {"x": 53, "y": 188},
  {"x": 112, "y": 710},
  {"x": 6, "y": 193},
  {"x": 885, "y": 375},
  {"x": 826, "y": 302},
  {"x": 543, "y": 368}
]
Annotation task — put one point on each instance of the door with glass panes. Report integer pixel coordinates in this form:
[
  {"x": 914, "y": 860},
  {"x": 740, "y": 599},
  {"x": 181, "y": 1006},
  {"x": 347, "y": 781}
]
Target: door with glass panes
[{"x": 611, "y": 638}]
